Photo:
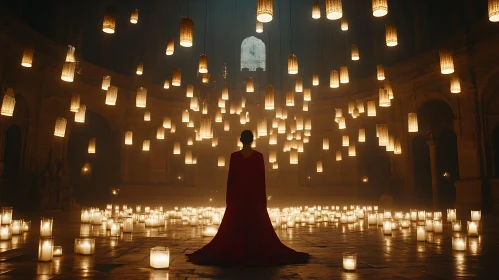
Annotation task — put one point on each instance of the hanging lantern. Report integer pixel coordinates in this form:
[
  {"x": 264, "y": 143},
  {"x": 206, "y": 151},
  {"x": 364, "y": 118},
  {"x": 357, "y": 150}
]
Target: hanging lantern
[
  {"x": 176, "y": 148},
  {"x": 186, "y": 32},
  {"x": 305, "y": 106},
  {"x": 194, "y": 104},
  {"x": 412, "y": 119},
  {"x": 68, "y": 71},
  {"x": 225, "y": 94},
  {"x": 205, "y": 108},
  {"x": 272, "y": 156},
  {"x": 383, "y": 136},
  {"x": 176, "y": 77},
  {"x": 355, "y": 113},
  {"x": 147, "y": 116},
  {"x": 316, "y": 10},
  {"x": 9, "y": 103},
  {"x": 141, "y": 98},
  {"x": 140, "y": 69},
  {"x": 275, "y": 165},
  {"x": 362, "y": 135},
  {"x": 167, "y": 122},
  {"x": 166, "y": 85},
  {"x": 134, "y": 17},
  {"x": 106, "y": 82},
  {"x": 80, "y": 115},
  {"x": 334, "y": 9},
  {"x": 243, "y": 102},
  {"x": 292, "y": 64},
  {"x": 189, "y": 92},
  {"x": 360, "y": 106},
  {"x": 275, "y": 123},
  {"x": 397, "y": 147},
  {"x": 214, "y": 142},
  {"x": 391, "y": 35},
  {"x": 111, "y": 95},
  {"x": 109, "y": 22},
  {"x": 380, "y": 8},
  {"x": 250, "y": 86},
  {"x": 344, "y": 24},
  {"x": 325, "y": 144},
  {"x": 146, "y": 145},
  {"x": 273, "y": 139},
  {"x": 351, "y": 107},
  {"x": 319, "y": 167},
  {"x": 494, "y": 10},
  {"x": 269, "y": 98},
  {"x": 160, "y": 133},
  {"x": 334, "y": 79},
  {"x": 282, "y": 127},
  {"x": 188, "y": 157},
  {"x": 341, "y": 123},
  {"x": 384, "y": 98},
  {"x": 128, "y": 138},
  {"x": 446, "y": 62},
  {"x": 205, "y": 131},
  {"x": 203, "y": 64},
  {"x": 264, "y": 10},
  {"x": 344, "y": 78},
  {"x": 170, "y": 47},
  {"x": 455, "y": 84},
  {"x": 351, "y": 150},
  {"x": 345, "y": 141},
  {"x": 308, "y": 124},
  {"x": 226, "y": 125},
  {"x": 299, "y": 85},
  {"x": 91, "y": 146},
  {"x": 27, "y": 59},
  {"x": 307, "y": 94},
  {"x": 355, "y": 52},
  {"x": 259, "y": 27},
  {"x": 60, "y": 127},
  {"x": 262, "y": 128},
  {"x": 75, "y": 102},
  {"x": 371, "y": 108},
  {"x": 185, "y": 116},
  {"x": 221, "y": 161},
  {"x": 299, "y": 122},
  {"x": 218, "y": 117},
  {"x": 391, "y": 144},
  {"x": 242, "y": 119},
  {"x": 290, "y": 98},
  {"x": 338, "y": 155},
  {"x": 315, "y": 80},
  {"x": 293, "y": 157},
  {"x": 70, "y": 54},
  {"x": 380, "y": 72}
]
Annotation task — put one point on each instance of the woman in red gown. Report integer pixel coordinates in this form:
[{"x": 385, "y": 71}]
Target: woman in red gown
[{"x": 246, "y": 236}]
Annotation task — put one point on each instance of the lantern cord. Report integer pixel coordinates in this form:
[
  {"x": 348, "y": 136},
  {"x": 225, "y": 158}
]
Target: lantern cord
[
  {"x": 290, "y": 29},
  {"x": 205, "y": 25},
  {"x": 280, "y": 48},
  {"x": 187, "y": 7}
]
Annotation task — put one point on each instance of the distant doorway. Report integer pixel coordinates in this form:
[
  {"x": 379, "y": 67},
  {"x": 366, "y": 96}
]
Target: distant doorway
[
  {"x": 422, "y": 170},
  {"x": 12, "y": 153}
]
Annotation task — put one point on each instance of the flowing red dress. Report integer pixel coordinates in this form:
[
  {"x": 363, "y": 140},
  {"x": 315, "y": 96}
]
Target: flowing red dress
[{"x": 246, "y": 236}]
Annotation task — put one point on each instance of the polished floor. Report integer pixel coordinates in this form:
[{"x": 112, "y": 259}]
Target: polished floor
[{"x": 398, "y": 256}]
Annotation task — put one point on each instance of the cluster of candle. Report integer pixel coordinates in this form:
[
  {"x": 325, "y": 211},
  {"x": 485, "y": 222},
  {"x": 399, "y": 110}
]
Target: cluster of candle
[
  {"x": 46, "y": 249},
  {"x": 9, "y": 227}
]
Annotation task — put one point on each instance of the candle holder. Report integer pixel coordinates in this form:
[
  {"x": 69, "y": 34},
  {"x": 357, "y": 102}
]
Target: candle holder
[
  {"x": 5, "y": 232},
  {"x": 451, "y": 215},
  {"x": 421, "y": 215},
  {"x": 17, "y": 227},
  {"x": 96, "y": 218},
  {"x": 387, "y": 227},
  {"x": 45, "y": 249},
  {"x": 476, "y": 215},
  {"x": 414, "y": 215},
  {"x": 211, "y": 231},
  {"x": 387, "y": 214},
  {"x": 429, "y": 225},
  {"x": 380, "y": 219},
  {"x": 349, "y": 261},
  {"x": 456, "y": 225},
  {"x": 128, "y": 224},
  {"x": 372, "y": 219},
  {"x": 458, "y": 243},
  {"x": 472, "y": 228},
  {"x": 84, "y": 246},
  {"x": 160, "y": 257},
  {"x": 26, "y": 226},
  {"x": 46, "y": 227},
  {"x": 405, "y": 223},
  {"x": 437, "y": 226},
  {"x": 85, "y": 216},
  {"x": 6, "y": 218},
  {"x": 57, "y": 251},
  {"x": 115, "y": 230},
  {"x": 421, "y": 234}
]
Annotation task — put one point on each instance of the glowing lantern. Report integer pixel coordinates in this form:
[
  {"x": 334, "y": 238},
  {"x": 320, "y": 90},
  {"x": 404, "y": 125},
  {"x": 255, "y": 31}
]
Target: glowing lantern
[
  {"x": 380, "y": 8},
  {"x": 391, "y": 35},
  {"x": 455, "y": 84},
  {"x": 290, "y": 98},
  {"x": 334, "y": 9},
  {"x": 345, "y": 141},
  {"x": 203, "y": 64},
  {"x": 351, "y": 106},
  {"x": 391, "y": 144},
  {"x": 305, "y": 106},
  {"x": 269, "y": 98},
  {"x": 205, "y": 78},
  {"x": 186, "y": 32},
  {"x": 225, "y": 94},
  {"x": 242, "y": 119},
  {"x": 344, "y": 24},
  {"x": 146, "y": 145},
  {"x": 111, "y": 95},
  {"x": 194, "y": 105},
  {"x": 167, "y": 122},
  {"x": 319, "y": 167},
  {"x": 293, "y": 157},
  {"x": 307, "y": 94},
  {"x": 173, "y": 129},
  {"x": 351, "y": 150},
  {"x": 91, "y": 146},
  {"x": 362, "y": 135},
  {"x": 380, "y": 69},
  {"x": 134, "y": 17},
  {"x": 128, "y": 138},
  {"x": 176, "y": 148},
  {"x": 315, "y": 80},
  {"x": 80, "y": 115},
  {"x": 355, "y": 113},
  {"x": 46, "y": 249},
  {"x": 264, "y": 10},
  {"x": 176, "y": 77},
  {"x": 360, "y": 105},
  {"x": 338, "y": 155},
  {"x": 218, "y": 117},
  {"x": 259, "y": 27},
  {"x": 8, "y": 104},
  {"x": 383, "y": 136},
  {"x": 140, "y": 69},
  {"x": 334, "y": 79},
  {"x": 60, "y": 127},
  {"x": 214, "y": 142},
  {"x": 221, "y": 161},
  {"x": 226, "y": 125},
  {"x": 316, "y": 11},
  {"x": 292, "y": 64},
  {"x": 189, "y": 92},
  {"x": 188, "y": 157},
  {"x": 147, "y": 116},
  {"x": 170, "y": 47},
  {"x": 494, "y": 10},
  {"x": 412, "y": 120},
  {"x": 250, "y": 86},
  {"x": 160, "y": 133},
  {"x": 68, "y": 71},
  {"x": 299, "y": 85},
  {"x": 109, "y": 22},
  {"x": 27, "y": 59},
  {"x": 272, "y": 156},
  {"x": 275, "y": 165},
  {"x": 166, "y": 85},
  {"x": 106, "y": 82},
  {"x": 325, "y": 144},
  {"x": 141, "y": 98},
  {"x": 446, "y": 62},
  {"x": 371, "y": 108},
  {"x": 344, "y": 77},
  {"x": 355, "y": 52},
  {"x": 397, "y": 147},
  {"x": 185, "y": 116},
  {"x": 384, "y": 98},
  {"x": 159, "y": 257},
  {"x": 205, "y": 130},
  {"x": 341, "y": 123}
]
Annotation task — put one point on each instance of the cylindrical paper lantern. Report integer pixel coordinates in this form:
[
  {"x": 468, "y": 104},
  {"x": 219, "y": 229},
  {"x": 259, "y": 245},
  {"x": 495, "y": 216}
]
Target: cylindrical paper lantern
[
  {"x": 68, "y": 71},
  {"x": 269, "y": 98},
  {"x": 141, "y": 98},
  {"x": 290, "y": 98},
  {"x": 203, "y": 64},
  {"x": 186, "y": 32},
  {"x": 134, "y": 17},
  {"x": 380, "y": 8},
  {"x": 344, "y": 24},
  {"x": 371, "y": 108},
  {"x": 292, "y": 64},
  {"x": 27, "y": 59},
  {"x": 316, "y": 10},
  {"x": 380, "y": 72},
  {"x": 170, "y": 47},
  {"x": 355, "y": 52},
  {"x": 344, "y": 77},
  {"x": 325, "y": 144},
  {"x": 250, "y": 86},
  {"x": 91, "y": 146},
  {"x": 391, "y": 35},
  {"x": 60, "y": 127},
  {"x": 106, "y": 82},
  {"x": 147, "y": 116},
  {"x": 455, "y": 84},
  {"x": 111, "y": 95},
  {"x": 189, "y": 92},
  {"x": 146, "y": 145},
  {"x": 140, "y": 69},
  {"x": 8, "y": 103},
  {"x": 160, "y": 133},
  {"x": 334, "y": 9},
  {"x": 334, "y": 79},
  {"x": 315, "y": 80},
  {"x": 412, "y": 120},
  {"x": 109, "y": 21},
  {"x": 166, "y": 85},
  {"x": 362, "y": 135},
  {"x": 446, "y": 62},
  {"x": 128, "y": 138},
  {"x": 176, "y": 77},
  {"x": 259, "y": 27},
  {"x": 384, "y": 98},
  {"x": 299, "y": 85},
  {"x": 494, "y": 10},
  {"x": 264, "y": 10}
]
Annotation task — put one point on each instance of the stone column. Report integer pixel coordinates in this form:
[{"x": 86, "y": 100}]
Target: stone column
[{"x": 434, "y": 171}]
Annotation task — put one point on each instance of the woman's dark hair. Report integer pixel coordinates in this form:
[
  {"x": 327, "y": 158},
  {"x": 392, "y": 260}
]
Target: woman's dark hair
[{"x": 246, "y": 137}]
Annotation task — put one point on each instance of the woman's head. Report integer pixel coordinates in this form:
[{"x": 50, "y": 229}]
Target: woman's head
[{"x": 246, "y": 137}]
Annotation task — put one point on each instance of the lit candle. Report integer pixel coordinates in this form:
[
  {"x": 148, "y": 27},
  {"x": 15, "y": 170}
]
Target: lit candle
[
  {"x": 344, "y": 219},
  {"x": 349, "y": 261},
  {"x": 380, "y": 219},
  {"x": 210, "y": 231},
  {"x": 85, "y": 216},
  {"x": 421, "y": 233},
  {"x": 45, "y": 249},
  {"x": 372, "y": 219},
  {"x": 128, "y": 225},
  {"x": 160, "y": 257},
  {"x": 387, "y": 214},
  {"x": 291, "y": 224},
  {"x": 97, "y": 218},
  {"x": 414, "y": 215},
  {"x": 458, "y": 243},
  {"x": 5, "y": 232},
  {"x": 421, "y": 215},
  {"x": 26, "y": 225},
  {"x": 84, "y": 246},
  {"x": 429, "y": 225},
  {"x": 451, "y": 215},
  {"x": 387, "y": 227},
  {"x": 476, "y": 215},
  {"x": 472, "y": 228},
  {"x": 456, "y": 225},
  {"x": 405, "y": 223},
  {"x": 17, "y": 227},
  {"x": 437, "y": 226},
  {"x": 115, "y": 230},
  {"x": 46, "y": 227},
  {"x": 57, "y": 251}
]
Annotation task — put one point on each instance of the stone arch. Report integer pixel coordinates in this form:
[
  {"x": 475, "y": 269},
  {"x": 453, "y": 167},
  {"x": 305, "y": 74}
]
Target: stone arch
[{"x": 253, "y": 54}]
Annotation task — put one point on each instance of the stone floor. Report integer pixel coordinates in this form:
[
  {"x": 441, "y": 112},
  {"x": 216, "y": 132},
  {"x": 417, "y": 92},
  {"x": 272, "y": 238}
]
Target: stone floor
[{"x": 379, "y": 257}]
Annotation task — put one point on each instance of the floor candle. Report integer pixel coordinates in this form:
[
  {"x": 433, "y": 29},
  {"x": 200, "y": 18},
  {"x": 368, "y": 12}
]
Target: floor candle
[
  {"x": 45, "y": 249},
  {"x": 46, "y": 227}
]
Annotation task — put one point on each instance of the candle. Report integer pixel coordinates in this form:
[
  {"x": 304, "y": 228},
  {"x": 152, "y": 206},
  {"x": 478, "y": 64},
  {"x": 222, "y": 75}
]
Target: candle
[
  {"x": 46, "y": 227},
  {"x": 349, "y": 261},
  {"x": 458, "y": 243},
  {"x": 372, "y": 219},
  {"x": 26, "y": 225},
  {"x": 290, "y": 224},
  {"x": 398, "y": 215},
  {"x": 421, "y": 233},
  {"x": 84, "y": 246},
  {"x": 5, "y": 232},
  {"x": 429, "y": 225},
  {"x": 115, "y": 230},
  {"x": 45, "y": 249},
  {"x": 387, "y": 227},
  {"x": 387, "y": 214},
  {"x": 414, "y": 215},
  {"x": 405, "y": 223},
  {"x": 6, "y": 218},
  {"x": 476, "y": 215},
  {"x": 57, "y": 251},
  {"x": 456, "y": 225},
  {"x": 343, "y": 219},
  {"x": 437, "y": 226},
  {"x": 128, "y": 225},
  {"x": 210, "y": 231},
  {"x": 85, "y": 216},
  {"x": 437, "y": 215},
  {"x": 160, "y": 257},
  {"x": 421, "y": 215},
  {"x": 472, "y": 228},
  {"x": 380, "y": 219},
  {"x": 17, "y": 227},
  {"x": 97, "y": 218}
]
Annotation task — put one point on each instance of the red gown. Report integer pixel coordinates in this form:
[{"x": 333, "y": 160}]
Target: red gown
[{"x": 246, "y": 236}]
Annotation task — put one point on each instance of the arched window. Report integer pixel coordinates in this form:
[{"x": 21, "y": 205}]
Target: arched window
[{"x": 253, "y": 54}]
